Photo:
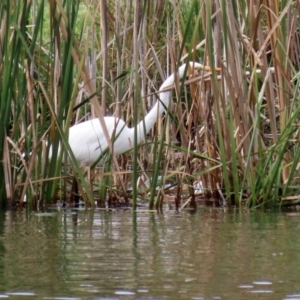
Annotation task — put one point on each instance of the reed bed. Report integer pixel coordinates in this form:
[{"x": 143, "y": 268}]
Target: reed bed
[{"x": 229, "y": 137}]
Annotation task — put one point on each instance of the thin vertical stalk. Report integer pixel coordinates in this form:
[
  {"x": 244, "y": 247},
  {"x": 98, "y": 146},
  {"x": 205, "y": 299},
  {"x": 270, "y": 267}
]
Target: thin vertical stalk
[
  {"x": 103, "y": 25},
  {"x": 136, "y": 28}
]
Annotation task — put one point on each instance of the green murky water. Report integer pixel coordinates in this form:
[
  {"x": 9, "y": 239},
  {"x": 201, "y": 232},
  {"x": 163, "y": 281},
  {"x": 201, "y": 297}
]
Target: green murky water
[{"x": 91, "y": 254}]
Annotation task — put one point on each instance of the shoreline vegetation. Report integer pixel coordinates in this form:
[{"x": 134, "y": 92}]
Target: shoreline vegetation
[{"x": 229, "y": 138}]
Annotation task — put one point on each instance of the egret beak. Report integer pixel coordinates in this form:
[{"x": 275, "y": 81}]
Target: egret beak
[
  {"x": 194, "y": 66},
  {"x": 206, "y": 68}
]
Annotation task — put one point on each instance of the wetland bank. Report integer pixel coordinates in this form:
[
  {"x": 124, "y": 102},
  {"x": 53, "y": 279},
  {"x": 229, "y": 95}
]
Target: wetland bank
[{"x": 232, "y": 131}]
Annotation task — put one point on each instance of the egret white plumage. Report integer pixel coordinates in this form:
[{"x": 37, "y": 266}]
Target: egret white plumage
[{"x": 87, "y": 139}]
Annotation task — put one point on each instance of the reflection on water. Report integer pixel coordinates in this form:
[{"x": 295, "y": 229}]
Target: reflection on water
[{"x": 121, "y": 255}]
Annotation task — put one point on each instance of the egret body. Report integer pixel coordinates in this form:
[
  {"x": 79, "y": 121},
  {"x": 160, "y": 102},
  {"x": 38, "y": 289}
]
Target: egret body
[{"x": 87, "y": 139}]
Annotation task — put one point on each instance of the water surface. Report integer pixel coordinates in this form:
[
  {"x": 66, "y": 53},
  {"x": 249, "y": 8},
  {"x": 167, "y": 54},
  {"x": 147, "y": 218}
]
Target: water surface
[{"x": 93, "y": 254}]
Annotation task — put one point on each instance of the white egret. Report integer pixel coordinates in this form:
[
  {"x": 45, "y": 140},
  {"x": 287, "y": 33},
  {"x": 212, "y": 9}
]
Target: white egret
[{"x": 87, "y": 139}]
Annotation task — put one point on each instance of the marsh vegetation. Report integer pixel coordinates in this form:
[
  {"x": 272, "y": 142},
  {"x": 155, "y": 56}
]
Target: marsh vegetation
[{"x": 229, "y": 137}]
